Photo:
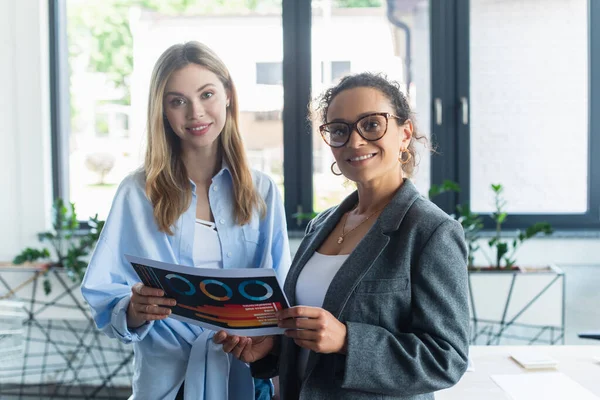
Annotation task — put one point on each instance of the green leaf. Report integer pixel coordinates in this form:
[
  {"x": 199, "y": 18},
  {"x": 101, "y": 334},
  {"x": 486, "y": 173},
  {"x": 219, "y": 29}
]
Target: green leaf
[
  {"x": 434, "y": 190},
  {"x": 31, "y": 255},
  {"x": 47, "y": 286},
  {"x": 304, "y": 216},
  {"x": 49, "y": 236},
  {"x": 501, "y": 217},
  {"x": 451, "y": 186},
  {"x": 537, "y": 228},
  {"x": 501, "y": 250},
  {"x": 59, "y": 212},
  {"x": 509, "y": 263},
  {"x": 446, "y": 186},
  {"x": 63, "y": 240},
  {"x": 73, "y": 222}
]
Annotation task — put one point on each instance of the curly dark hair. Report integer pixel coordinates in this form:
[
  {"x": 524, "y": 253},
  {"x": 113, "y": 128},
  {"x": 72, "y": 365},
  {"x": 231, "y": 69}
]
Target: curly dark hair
[{"x": 391, "y": 89}]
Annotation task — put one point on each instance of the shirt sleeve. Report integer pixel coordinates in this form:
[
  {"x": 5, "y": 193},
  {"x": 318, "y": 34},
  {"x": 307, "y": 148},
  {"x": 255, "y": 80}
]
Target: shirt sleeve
[{"x": 108, "y": 295}]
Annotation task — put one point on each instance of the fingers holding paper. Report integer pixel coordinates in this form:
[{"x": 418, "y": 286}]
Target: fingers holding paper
[
  {"x": 314, "y": 328},
  {"x": 147, "y": 304},
  {"x": 246, "y": 349}
]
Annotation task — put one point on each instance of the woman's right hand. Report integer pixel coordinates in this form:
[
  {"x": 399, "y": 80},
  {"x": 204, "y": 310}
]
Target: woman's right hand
[
  {"x": 145, "y": 305},
  {"x": 246, "y": 349}
]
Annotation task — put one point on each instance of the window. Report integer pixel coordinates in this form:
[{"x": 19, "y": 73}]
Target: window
[
  {"x": 112, "y": 48},
  {"x": 514, "y": 86},
  {"x": 505, "y": 102},
  {"x": 269, "y": 73},
  {"x": 529, "y": 105},
  {"x": 397, "y": 45},
  {"x": 339, "y": 69},
  {"x": 336, "y": 71}
]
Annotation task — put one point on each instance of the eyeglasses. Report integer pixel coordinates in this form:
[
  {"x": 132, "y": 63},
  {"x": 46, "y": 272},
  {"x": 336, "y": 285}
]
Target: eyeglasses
[{"x": 370, "y": 127}]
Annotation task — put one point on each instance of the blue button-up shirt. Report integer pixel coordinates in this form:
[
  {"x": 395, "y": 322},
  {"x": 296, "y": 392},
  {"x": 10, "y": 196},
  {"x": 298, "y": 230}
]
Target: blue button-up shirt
[{"x": 169, "y": 351}]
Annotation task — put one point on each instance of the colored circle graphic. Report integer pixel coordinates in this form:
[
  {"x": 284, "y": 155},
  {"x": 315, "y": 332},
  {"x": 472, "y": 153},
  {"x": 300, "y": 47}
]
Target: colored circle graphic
[
  {"x": 190, "y": 290},
  {"x": 242, "y": 289},
  {"x": 218, "y": 283}
]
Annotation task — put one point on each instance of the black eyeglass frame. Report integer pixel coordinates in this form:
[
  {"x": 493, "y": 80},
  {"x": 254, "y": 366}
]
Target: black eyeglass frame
[{"x": 354, "y": 126}]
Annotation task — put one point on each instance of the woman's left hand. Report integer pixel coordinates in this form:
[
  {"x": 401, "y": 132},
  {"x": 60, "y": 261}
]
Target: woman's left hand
[{"x": 314, "y": 328}]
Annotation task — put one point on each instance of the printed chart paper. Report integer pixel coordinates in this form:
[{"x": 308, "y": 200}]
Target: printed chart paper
[{"x": 239, "y": 301}]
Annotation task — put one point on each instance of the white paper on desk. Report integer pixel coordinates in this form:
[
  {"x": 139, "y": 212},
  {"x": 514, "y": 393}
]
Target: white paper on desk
[
  {"x": 542, "y": 385},
  {"x": 530, "y": 358}
]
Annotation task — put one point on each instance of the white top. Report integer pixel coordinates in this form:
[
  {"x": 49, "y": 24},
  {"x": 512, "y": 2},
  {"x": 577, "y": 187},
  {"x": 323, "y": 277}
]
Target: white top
[
  {"x": 207, "y": 247},
  {"x": 311, "y": 288}
]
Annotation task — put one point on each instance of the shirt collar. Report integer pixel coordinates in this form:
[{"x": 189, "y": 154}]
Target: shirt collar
[{"x": 224, "y": 168}]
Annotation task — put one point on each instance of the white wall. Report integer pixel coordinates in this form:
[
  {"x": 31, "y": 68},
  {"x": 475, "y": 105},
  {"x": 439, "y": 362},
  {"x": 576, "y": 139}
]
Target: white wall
[{"x": 25, "y": 176}]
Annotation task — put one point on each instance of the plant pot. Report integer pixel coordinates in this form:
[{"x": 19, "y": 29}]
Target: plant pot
[
  {"x": 551, "y": 269},
  {"x": 494, "y": 269}
]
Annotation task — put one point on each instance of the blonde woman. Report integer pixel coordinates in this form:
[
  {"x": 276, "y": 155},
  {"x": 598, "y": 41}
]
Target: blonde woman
[{"x": 195, "y": 202}]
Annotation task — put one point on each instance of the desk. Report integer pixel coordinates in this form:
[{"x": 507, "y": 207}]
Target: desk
[{"x": 577, "y": 362}]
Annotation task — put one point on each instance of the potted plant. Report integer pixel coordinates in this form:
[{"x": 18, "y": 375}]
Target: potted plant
[
  {"x": 504, "y": 250},
  {"x": 69, "y": 246},
  {"x": 508, "y": 303},
  {"x": 471, "y": 222}
]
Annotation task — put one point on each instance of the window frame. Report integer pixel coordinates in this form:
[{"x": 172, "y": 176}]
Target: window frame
[
  {"x": 296, "y": 71},
  {"x": 60, "y": 114},
  {"x": 450, "y": 25},
  {"x": 449, "y": 22}
]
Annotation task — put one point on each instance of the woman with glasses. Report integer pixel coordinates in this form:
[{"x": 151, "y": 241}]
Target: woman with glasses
[{"x": 379, "y": 283}]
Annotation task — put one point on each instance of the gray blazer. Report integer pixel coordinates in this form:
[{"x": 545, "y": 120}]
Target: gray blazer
[{"x": 402, "y": 294}]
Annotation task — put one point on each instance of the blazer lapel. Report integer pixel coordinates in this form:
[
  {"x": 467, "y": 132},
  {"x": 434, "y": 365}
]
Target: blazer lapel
[
  {"x": 323, "y": 226},
  {"x": 368, "y": 249},
  {"x": 312, "y": 242},
  {"x": 364, "y": 255},
  {"x": 355, "y": 267}
]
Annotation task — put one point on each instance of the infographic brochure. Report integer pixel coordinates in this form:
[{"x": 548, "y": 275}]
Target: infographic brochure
[{"x": 239, "y": 301}]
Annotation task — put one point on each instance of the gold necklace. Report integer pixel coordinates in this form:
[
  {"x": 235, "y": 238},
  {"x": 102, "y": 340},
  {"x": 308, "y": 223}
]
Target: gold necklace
[{"x": 341, "y": 238}]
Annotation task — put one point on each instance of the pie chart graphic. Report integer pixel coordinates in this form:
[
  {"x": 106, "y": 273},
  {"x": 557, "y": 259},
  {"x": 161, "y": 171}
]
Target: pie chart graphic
[
  {"x": 204, "y": 289},
  {"x": 243, "y": 292},
  {"x": 177, "y": 288}
]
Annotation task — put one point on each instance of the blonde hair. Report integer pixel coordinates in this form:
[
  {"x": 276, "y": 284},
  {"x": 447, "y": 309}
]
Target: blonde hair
[{"x": 167, "y": 184}]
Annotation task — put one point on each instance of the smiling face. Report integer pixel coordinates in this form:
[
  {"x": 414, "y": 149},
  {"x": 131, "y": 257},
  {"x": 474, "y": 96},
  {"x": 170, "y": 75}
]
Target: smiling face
[
  {"x": 365, "y": 161},
  {"x": 195, "y": 104}
]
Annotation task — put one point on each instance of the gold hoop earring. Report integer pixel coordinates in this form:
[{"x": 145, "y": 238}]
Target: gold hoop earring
[
  {"x": 333, "y": 171},
  {"x": 408, "y": 157}
]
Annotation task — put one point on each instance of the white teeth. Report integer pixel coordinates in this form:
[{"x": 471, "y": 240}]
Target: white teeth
[
  {"x": 199, "y": 128},
  {"x": 362, "y": 157}
]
